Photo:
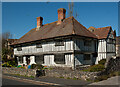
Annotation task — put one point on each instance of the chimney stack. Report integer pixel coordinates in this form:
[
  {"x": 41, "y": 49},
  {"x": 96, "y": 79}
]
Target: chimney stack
[
  {"x": 39, "y": 22},
  {"x": 61, "y": 15}
]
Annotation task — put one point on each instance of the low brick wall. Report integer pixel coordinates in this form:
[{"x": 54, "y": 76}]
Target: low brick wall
[
  {"x": 20, "y": 71},
  {"x": 71, "y": 74}
]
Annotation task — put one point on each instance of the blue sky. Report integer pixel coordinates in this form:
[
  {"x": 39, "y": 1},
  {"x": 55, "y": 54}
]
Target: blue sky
[{"x": 19, "y": 18}]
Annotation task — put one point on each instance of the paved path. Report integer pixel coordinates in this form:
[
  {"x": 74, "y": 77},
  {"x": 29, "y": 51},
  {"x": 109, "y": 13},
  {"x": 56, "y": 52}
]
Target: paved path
[{"x": 110, "y": 81}]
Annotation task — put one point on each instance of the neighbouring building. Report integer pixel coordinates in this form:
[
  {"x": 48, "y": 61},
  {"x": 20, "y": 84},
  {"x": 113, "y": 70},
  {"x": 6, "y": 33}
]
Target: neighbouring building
[
  {"x": 7, "y": 45},
  {"x": 106, "y": 42},
  {"x": 118, "y": 46},
  {"x": 8, "y": 42},
  {"x": 63, "y": 43}
]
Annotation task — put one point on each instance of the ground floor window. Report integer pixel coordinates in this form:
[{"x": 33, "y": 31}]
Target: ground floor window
[
  {"x": 39, "y": 59},
  {"x": 59, "y": 59},
  {"x": 87, "y": 57}
]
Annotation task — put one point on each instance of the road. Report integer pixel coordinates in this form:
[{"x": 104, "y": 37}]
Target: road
[
  {"x": 16, "y": 82},
  {"x": 13, "y": 81}
]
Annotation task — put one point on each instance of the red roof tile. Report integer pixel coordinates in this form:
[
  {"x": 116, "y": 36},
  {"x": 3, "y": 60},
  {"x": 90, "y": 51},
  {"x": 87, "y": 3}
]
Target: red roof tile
[{"x": 101, "y": 33}]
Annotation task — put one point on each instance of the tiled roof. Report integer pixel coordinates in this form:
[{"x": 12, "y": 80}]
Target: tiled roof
[
  {"x": 101, "y": 33},
  {"x": 69, "y": 26}
]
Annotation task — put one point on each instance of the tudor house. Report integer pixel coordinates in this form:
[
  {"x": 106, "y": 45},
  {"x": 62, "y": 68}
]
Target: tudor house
[
  {"x": 106, "y": 42},
  {"x": 63, "y": 43}
]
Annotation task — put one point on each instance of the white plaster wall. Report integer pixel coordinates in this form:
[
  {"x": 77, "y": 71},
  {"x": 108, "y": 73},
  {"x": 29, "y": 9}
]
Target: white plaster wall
[
  {"x": 46, "y": 47},
  {"x": 32, "y": 60}
]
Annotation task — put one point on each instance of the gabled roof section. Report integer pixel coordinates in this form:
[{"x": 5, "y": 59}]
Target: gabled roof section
[
  {"x": 101, "y": 33},
  {"x": 69, "y": 26}
]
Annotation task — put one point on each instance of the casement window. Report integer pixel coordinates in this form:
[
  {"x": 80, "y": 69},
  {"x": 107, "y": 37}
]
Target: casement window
[
  {"x": 19, "y": 49},
  {"x": 59, "y": 43},
  {"x": 21, "y": 59},
  {"x": 87, "y": 57},
  {"x": 38, "y": 45},
  {"x": 39, "y": 59},
  {"x": 59, "y": 59},
  {"x": 87, "y": 43}
]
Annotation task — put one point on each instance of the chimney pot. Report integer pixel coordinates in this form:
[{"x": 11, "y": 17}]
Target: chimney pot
[{"x": 61, "y": 15}]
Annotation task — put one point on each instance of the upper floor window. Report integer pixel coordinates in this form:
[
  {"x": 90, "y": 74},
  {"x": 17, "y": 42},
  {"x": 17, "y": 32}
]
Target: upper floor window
[
  {"x": 38, "y": 45},
  {"x": 59, "y": 43},
  {"x": 87, "y": 43},
  {"x": 19, "y": 49}
]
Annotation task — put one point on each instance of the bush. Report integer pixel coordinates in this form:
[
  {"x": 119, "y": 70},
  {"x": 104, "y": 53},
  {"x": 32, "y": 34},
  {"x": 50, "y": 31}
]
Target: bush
[
  {"x": 102, "y": 62},
  {"x": 100, "y": 78},
  {"x": 95, "y": 68},
  {"x": 33, "y": 66},
  {"x": 38, "y": 66},
  {"x": 9, "y": 64}
]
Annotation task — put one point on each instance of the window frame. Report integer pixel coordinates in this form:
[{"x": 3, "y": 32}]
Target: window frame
[
  {"x": 41, "y": 57},
  {"x": 59, "y": 43},
  {"x": 59, "y": 58},
  {"x": 20, "y": 59},
  {"x": 19, "y": 48},
  {"x": 86, "y": 58},
  {"x": 38, "y": 45}
]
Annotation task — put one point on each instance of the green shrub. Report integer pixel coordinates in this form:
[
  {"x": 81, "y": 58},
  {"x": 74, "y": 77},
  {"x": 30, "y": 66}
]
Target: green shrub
[
  {"x": 9, "y": 64},
  {"x": 61, "y": 77},
  {"x": 100, "y": 78},
  {"x": 102, "y": 62},
  {"x": 33, "y": 66},
  {"x": 68, "y": 77},
  {"x": 75, "y": 78},
  {"x": 96, "y": 68},
  {"x": 116, "y": 73},
  {"x": 38, "y": 66}
]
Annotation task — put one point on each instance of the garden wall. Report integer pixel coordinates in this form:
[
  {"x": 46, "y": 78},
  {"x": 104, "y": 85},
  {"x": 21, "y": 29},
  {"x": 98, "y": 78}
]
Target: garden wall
[
  {"x": 112, "y": 65},
  {"x": 73, "y": 74},
  {"x": 52, "y": 73},
  {"x": 20, "y": 71}
]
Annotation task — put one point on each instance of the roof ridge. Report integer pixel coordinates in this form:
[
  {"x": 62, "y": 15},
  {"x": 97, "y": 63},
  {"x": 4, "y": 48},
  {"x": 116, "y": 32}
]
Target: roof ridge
[
  {"x": 86, "y": 28},
  {"x": 104, "y": 27},
  {"x": 55, "y": 21}
]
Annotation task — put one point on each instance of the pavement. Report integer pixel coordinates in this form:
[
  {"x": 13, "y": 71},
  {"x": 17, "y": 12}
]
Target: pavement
[{"x": 110, "y": 81}]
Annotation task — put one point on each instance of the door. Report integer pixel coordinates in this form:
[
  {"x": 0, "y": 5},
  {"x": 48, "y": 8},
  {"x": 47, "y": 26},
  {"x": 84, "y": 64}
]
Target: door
[{"x": 49, "y": 59}]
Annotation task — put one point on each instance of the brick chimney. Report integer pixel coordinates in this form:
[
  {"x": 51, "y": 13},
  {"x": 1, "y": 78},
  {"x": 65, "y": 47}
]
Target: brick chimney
[
  {"x": 39, "y": 22},
  {"x": 61, "y": 15}
]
